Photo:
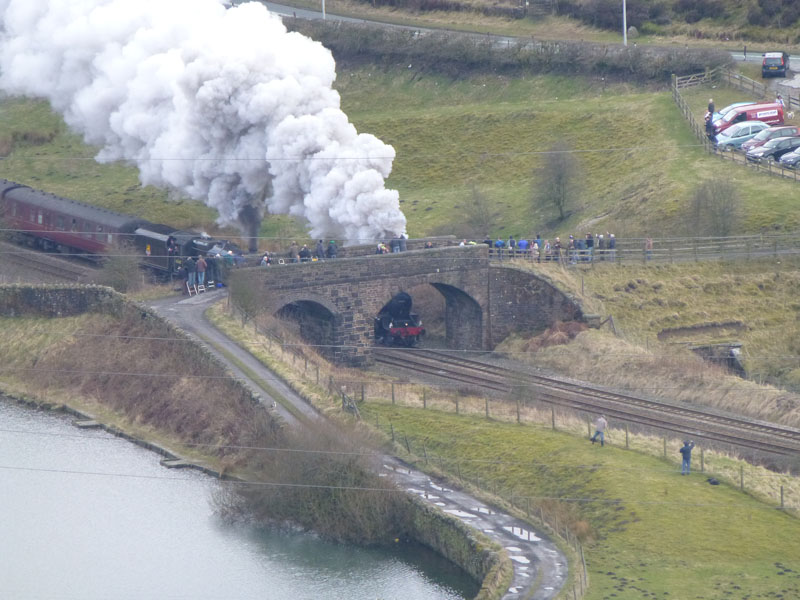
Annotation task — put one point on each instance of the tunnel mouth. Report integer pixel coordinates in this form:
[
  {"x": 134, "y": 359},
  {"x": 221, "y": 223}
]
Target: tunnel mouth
[{"x": 314, "y": 323}]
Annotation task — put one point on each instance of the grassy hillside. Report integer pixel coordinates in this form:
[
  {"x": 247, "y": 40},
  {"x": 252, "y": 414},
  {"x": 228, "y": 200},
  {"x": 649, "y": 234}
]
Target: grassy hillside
[{"x": 638, "y": 162}]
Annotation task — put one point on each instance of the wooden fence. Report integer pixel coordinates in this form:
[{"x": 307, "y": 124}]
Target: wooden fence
[{"x": 669, "y": 250}]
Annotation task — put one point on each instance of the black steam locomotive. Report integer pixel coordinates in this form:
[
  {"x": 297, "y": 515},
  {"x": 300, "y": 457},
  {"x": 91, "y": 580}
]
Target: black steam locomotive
[
  {"x": 396, "y": 325},
  {"x": 57, "y": 224}
]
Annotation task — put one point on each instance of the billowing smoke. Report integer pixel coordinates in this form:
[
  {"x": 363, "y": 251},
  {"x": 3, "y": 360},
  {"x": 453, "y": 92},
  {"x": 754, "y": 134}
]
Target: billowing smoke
[{"x": 223, "y": 105}]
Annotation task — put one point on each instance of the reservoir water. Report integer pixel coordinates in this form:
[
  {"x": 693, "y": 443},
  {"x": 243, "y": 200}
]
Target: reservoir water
[{"x": 85, "y": 515}]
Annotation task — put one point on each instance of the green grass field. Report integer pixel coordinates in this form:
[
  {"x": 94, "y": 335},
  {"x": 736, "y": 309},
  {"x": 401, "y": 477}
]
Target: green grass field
[{"x": 653, "y": 533}]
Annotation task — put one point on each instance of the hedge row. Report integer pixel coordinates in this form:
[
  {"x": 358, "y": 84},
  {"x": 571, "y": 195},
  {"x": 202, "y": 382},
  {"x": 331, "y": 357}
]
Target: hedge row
[{"x": 459, "y": 54}]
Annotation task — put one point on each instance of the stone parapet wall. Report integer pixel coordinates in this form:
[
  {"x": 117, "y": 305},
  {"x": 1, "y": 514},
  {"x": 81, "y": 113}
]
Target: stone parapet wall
[
  {"x": 484, "y": 560},
  {"x": 58, "y": 300}
]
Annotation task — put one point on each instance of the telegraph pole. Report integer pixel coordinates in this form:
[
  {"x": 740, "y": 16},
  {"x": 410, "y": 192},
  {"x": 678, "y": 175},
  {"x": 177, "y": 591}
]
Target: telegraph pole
[{"x": 624, "y": 24}]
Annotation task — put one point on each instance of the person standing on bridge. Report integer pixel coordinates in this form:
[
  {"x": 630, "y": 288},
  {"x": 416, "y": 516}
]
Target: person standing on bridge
[
  {"x": 686, "y": 451},
  {"x": 332, "y": 250},
  {"x": 600, "y": 430}
]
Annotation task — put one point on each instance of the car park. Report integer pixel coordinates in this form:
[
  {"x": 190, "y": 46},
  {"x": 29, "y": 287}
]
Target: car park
[
  {"x": 770, "y": 113},
  {"x": 770, "y": 134},
  {"x": 775, "y": 64},
  {"x": 790, "y": 159},
  {"x": 724, "y": 111},
  {"x": 733, "y": 137},
  {"x": 773, "y": 149}
]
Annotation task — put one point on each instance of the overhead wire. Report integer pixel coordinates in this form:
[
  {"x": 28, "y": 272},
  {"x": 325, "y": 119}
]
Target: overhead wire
[
  {"x": 395, "y": 490},
  {"x": 432, "y": 457}
]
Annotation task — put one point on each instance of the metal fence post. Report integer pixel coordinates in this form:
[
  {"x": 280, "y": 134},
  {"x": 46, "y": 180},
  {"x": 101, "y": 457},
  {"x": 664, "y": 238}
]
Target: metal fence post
[
  {"x": 392, "y": 393},
  {"x": 553, "y": 416},
  {"x": 626, "y": 437}
]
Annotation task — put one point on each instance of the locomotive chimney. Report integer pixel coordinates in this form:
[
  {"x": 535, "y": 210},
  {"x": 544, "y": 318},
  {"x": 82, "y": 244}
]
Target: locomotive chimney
[{"x": 250, "y": 222}]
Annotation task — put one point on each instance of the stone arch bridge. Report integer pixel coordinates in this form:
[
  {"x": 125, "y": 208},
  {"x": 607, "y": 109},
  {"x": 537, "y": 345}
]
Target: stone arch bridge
[{"x": 336, "y": 301}]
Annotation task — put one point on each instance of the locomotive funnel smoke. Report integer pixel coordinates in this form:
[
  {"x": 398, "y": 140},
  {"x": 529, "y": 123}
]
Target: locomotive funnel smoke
[{"x": 223, "y": 105}]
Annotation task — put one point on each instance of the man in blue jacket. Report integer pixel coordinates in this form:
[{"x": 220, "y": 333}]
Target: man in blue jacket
[{"x": 686, "y": 451}]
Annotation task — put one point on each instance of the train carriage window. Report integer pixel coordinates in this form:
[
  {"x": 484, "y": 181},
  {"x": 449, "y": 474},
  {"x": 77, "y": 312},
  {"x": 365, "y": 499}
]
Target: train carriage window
[
  {"x": 33, "y": 216},
  {"x": 99, "y": 235},
  {"x": 109, "y": 238},
  {"x": 60, "y": 222},
  {"x": 39, "y": 218},
  {"x": 74, "y": 225},
  {"x": 13, "y": 209}
]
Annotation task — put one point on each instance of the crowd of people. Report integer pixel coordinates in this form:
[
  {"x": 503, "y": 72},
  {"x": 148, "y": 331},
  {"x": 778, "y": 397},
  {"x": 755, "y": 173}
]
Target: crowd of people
[
  {"x": 298, "y": 254},
  {"x": 596, "y": 246}
]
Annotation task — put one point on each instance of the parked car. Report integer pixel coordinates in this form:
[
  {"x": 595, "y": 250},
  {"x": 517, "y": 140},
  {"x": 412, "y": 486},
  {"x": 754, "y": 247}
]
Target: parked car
[
  {"x": 733, "y": 137},
  {"x": 724, "y": 111},
  {"x": 769, "y": 112},
  {"x": 790, "y": 159},
  {"x": 770, "y": 134},
  {"x": 775, "y": 63},
  {"x": 773, "y": 149}
]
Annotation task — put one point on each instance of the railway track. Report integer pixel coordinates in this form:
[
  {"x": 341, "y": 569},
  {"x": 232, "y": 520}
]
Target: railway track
[
  {"x": 684, "y": 420},
  {"x": 32, "y": 264}
]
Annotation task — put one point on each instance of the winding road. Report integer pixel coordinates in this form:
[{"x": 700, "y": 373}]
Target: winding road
[{"x": 540, "y": 568}]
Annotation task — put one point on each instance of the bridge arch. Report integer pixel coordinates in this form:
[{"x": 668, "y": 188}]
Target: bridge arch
[
  {"x": 463, "y": 318},
  {"x": 335, "y": 302}
]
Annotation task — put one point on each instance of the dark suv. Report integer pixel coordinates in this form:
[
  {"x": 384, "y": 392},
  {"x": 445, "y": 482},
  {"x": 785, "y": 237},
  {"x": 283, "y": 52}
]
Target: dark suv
[
  {"x": 773, "y": 149},
  {"x": 775, "y": 63}
]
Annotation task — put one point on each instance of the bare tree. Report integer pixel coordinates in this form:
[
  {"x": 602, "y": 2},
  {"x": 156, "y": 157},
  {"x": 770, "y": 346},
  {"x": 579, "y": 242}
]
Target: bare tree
[
  {"x": 480, "y": 218},
  {"x": 714, "y": 208},
  {"x": 121, "y": 269},
  {"x": 556, "y": 180}
]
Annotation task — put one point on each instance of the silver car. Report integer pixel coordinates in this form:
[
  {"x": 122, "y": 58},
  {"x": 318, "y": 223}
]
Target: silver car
[{"x": 736, "y": 135}]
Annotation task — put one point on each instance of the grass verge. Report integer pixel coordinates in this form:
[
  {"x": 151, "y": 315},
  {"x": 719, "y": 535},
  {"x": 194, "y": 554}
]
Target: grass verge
[{"x": 655, "y": 534}]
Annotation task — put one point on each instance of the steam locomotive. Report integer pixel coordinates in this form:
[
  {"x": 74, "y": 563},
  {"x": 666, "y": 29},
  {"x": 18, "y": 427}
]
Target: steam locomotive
[
  {"x": 396, "y": 325},
  {"x": 57, "y": 224}
]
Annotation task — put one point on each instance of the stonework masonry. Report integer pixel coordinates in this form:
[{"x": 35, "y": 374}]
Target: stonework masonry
[{"x": 484, "y": 301}]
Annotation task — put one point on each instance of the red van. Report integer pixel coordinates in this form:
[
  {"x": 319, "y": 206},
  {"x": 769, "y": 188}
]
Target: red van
[{"x": 770, "y": 113}]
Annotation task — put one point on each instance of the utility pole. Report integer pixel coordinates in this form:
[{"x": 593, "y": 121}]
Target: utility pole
[
  {"x": 323, "y": 13},
  {"x": 624, "y": 22}
]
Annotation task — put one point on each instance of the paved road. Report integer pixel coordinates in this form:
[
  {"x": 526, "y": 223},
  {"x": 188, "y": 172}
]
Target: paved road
[{"x": 540, "y": 569}]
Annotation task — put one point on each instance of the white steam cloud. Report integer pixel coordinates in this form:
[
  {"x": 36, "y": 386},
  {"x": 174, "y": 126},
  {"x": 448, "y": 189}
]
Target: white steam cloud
[{"x": 224, "y": 105}]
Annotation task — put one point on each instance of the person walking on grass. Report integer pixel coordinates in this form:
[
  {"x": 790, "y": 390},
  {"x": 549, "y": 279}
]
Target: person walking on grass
[
  {"x": 686, "y": 451},
  {"x": 600, "y": 430}
]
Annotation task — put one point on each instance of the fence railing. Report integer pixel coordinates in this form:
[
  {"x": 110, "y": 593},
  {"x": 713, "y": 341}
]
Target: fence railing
[{"x": 670, "y": 250}]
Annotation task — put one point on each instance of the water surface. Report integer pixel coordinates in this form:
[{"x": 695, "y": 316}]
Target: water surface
[{"x": 85, "y": 515}]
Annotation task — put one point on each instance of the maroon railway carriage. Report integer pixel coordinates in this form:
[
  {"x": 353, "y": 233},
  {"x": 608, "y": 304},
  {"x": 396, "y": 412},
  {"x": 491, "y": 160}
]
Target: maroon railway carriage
[{"x": 59, "y": 224}]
